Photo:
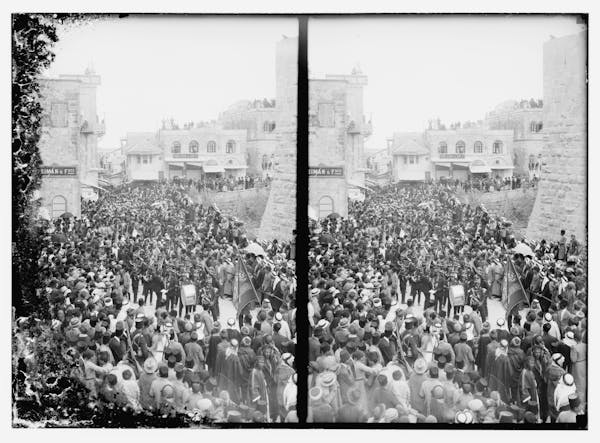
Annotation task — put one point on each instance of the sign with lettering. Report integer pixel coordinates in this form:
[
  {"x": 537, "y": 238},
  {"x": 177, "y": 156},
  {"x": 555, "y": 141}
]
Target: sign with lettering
[
  {"x": 185, "y": 155},
  {"x": 326, "y": 171},
  {"x": 452, "y": 155},
  {"x": 59, "y": 170}
]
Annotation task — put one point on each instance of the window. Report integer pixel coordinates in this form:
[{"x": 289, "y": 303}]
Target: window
[
  {"x": 478, "y": 147},
  {"x": 443, "y": 148},
  {"x": 325, "y": 206},
  {"x": 230, "y": 147},
  {"x": 176, "y": 148},
  {"x": 412, "y": 159},
  {"x": 59, "y": 115},
  {"x": 460, "y": 147},
  {"x": 269, "y": 126},
  {"x": 211, "y": 146},
  {"x": 326, "y": 117},
  {"x": 497, "y": 147},
  {"x": 194, "y": 147},
  {"x": 59, "y": 206},
  {"x": 145, "y": 159},
  {"x": 139, "y": 159},
  {"x": 405, "y": 159}
]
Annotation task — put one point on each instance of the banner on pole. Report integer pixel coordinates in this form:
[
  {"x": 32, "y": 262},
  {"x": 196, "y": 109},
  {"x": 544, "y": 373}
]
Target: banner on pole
[
  {"x": 243, "y": 290},
  {"x": 513, "y": 293}
]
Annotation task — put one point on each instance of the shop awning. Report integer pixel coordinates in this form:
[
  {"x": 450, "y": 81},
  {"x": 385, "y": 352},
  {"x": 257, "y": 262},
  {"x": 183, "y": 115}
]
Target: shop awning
[
  {"x": 502, "y": 167},
  {"x": 175, "y": 165},
  {"x": 460, "y": 164},
  {"x": 480, "y": 169},
  {"x": 211, "y": 169},
  {"x": 90, "y": 185},
  {"x": 358, "y": 185},
  {"x": 442, "y": 165},
  {"x": 236, "y": 167},
  {"x": 195, "y": 164}
]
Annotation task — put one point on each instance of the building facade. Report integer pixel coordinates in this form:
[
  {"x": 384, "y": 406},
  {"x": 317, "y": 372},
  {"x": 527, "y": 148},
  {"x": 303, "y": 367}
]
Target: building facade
[
  {"x": 410, "y": 157},
  {"x": 69, "y": 142},
  {"x": 143, "y": 157},
  {"x": 461, "y": 153},
  {"x": 525, "y": 119},
  {"x": 208, "y": 151},
  {"x": 259, "y": 119},
  {"x": 337, "y": 131}
]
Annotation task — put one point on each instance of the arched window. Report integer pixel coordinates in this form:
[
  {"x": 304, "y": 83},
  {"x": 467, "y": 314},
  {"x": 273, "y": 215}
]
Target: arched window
[
  {"x": 443, "y": 148},
  {"x": 211, "y": 146},
  {"x": 478, "y": 147},
  {"x": 194, "y": 147},
  {"x": 460, "y": 147},
  {"x": 497, "y": 147},
  {"x": 272, "y": 126},
  {"x": 230, "y": 147},
  {"x": 59, "y": 206},
  {"x": 533, "y": 127},
  {"x": 325, "y": 206},
  {"x": 540, "y": 126},
  {"x": 176, "y": 148}
]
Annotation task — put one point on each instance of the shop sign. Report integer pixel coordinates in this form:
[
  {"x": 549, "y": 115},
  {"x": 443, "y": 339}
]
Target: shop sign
[
  {"x": 324, "y": 171},
  {"x": 59, "y": 171},
  {"x": 452, "y": 155}
]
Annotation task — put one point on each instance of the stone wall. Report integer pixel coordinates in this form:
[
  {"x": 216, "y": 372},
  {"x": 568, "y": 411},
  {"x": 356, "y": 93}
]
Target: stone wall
[
  {"x": 515, "y": 205},
  {"x": 562, "y": 198},
  {"x": 247, "y": 205},
  {"x": 279, "y": 219}
]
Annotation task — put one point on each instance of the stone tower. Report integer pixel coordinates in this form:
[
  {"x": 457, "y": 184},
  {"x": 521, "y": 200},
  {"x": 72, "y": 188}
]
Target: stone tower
[
  {"x": 562, "y": 196},
  {"x": 279, "y": 219}
]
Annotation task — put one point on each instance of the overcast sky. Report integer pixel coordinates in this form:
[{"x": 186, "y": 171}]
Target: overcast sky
[
  {"x": 188, "y": 68},
  {"x": 456, "y": 68}
]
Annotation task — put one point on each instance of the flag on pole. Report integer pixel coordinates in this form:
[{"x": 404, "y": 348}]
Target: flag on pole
[
  {"x": 243, "y": 289},
  {"x": 513, "y": 292}
]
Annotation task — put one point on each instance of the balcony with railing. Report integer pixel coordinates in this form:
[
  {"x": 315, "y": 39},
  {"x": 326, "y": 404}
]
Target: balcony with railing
[{"x": 97, "y": 128}]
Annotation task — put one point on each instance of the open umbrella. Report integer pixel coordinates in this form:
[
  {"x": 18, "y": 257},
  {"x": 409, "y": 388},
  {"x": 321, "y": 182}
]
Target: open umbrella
[
  {"x": 66, "y": 215},
  {"x": 523, "y": 249},
  {"x": 334, "y": 215},
  {"x": 256, "y": 249}
]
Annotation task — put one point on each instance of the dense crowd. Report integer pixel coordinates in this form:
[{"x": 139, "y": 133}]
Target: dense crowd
[
  {"x": 114, "y": 278},
  {"x": 491, "y": 184},
  {"x": 224, "y": 184},
  {"x": 392, "y": 340}
]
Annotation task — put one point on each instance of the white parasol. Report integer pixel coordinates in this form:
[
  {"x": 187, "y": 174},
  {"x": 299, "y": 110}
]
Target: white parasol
[
  {"x": 256, "y": 249},
  {"x": 523, "y": 249}
]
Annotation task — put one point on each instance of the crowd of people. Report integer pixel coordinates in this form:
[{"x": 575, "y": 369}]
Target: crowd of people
[
  {"x": 490, "y": 184},
  {"x": 408, "y": 323},
  {"x": 114, "y": 281},
  {"x": 224, "y": 184}
]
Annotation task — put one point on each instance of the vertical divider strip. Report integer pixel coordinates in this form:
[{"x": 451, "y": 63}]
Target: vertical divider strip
[{"x": 302, "y": 221}]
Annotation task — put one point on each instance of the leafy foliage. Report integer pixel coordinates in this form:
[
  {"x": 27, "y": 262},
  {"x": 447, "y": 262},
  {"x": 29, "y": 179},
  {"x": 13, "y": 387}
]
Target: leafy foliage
[{"x": 32, "y": 40}]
